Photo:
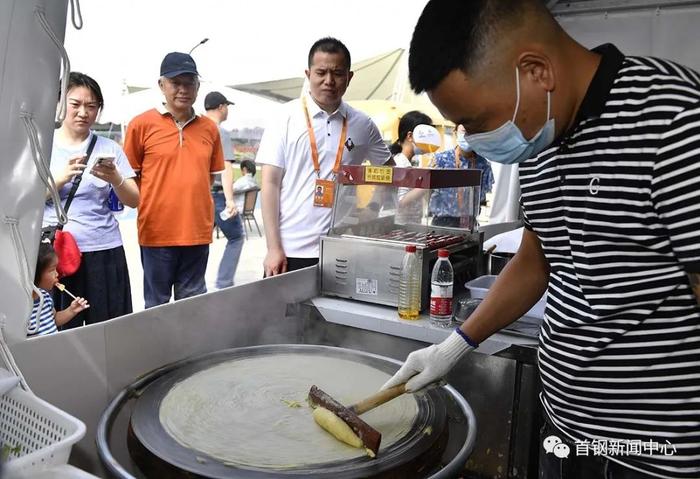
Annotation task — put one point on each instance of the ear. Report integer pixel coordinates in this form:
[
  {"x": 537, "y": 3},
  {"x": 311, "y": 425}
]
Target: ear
[
  {"x": 161, "y": 85},
  {"x": 350, "y": 75},
  {"x": 409, "y": 136},
  {"x": 308, "y": 74},
  {"x": 537, "y": 68}
]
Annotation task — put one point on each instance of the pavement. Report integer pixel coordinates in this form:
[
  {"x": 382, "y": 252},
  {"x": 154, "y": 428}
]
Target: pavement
[{"x": 250, "y": 266}]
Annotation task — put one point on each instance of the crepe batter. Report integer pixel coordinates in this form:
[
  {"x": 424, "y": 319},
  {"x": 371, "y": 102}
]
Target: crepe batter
[{"x": 238, "y": 413}]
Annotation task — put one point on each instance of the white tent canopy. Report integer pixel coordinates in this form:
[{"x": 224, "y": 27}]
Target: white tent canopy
[
  {"x": 382, "y": 78},
  {"x": 249, "y": 111}
]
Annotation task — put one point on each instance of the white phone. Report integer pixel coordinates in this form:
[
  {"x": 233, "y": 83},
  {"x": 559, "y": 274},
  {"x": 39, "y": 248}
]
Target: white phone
[{"x": 104, "y": 160}]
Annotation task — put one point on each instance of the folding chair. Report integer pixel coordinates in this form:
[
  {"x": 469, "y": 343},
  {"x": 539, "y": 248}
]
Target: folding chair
[{"x": 251, "y": 197}]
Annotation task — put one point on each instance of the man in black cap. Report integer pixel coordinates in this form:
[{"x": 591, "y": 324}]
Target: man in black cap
[
  {"x": 175, "y": 154},
  {"x": 216, "y": 106}
]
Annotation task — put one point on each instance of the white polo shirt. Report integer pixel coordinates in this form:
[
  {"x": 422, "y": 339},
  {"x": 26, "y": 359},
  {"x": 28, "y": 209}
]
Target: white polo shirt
[{"x": 285, "y": 144}]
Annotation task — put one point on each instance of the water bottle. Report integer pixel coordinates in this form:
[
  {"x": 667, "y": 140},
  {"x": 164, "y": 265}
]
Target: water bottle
[
  {"x": 113, "y": 201},
  {"x": 441, "y": 284},
  {"x": 410, "y": 285}
]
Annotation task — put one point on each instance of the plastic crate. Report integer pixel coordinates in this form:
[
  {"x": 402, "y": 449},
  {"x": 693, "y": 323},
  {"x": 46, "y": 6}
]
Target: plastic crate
[
  {"x": 478, "y": 287},
  {"x": 44, "y": 433}
]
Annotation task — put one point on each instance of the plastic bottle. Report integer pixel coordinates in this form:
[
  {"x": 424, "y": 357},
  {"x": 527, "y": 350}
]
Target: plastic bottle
[
  {"x": 410, "y": 285},
  {"x": 441, "y": 284},
  {"x": 113, "y": 201}
]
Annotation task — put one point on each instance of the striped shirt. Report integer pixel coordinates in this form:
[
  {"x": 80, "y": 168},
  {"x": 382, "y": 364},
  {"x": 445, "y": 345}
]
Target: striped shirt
[
  {"x": 47, "y": 321},
  {"x": 616, "y": 205}
]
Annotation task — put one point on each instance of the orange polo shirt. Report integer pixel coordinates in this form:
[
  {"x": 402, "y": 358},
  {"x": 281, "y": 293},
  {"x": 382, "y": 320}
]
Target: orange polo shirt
[{"x": 176, "y": 208}]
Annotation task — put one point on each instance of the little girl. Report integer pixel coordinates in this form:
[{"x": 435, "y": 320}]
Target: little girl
[{"x": 45, "y": 278}]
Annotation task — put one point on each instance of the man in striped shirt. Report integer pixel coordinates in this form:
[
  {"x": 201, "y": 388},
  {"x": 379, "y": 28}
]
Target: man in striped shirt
[{"x": 609, "y": 153}]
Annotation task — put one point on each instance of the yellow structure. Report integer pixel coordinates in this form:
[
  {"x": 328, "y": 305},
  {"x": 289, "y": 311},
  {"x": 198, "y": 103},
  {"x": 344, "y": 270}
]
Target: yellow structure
[{"x": 386, "y": 114}]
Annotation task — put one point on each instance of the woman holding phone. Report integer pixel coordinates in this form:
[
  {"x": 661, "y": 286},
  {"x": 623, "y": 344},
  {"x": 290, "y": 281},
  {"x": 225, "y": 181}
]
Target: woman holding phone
[{"x": 103, "y": 276}]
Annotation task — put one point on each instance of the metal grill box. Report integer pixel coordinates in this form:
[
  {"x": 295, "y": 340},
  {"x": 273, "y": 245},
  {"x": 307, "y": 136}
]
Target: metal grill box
[{"x": 379, "y": 210}]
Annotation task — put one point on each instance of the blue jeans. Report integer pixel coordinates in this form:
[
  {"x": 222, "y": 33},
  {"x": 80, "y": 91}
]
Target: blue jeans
[
  {"x": 232, "y": 228},
  {"x": 168, "y": 268}
]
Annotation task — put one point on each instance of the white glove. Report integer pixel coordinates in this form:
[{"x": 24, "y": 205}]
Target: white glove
[{"x": 430, "y": 364}]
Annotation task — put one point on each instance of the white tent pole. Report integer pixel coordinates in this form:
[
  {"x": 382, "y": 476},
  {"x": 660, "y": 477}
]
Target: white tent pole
[{"x": 401, "y": 80}]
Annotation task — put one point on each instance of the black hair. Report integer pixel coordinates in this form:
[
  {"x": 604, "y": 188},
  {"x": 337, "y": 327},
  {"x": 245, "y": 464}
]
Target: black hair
[
  {"x": 329, "y": 45},
  {"x": 44, "y": 258},
  {"x": 77, "y": 79},
  {"x": 407, "y": 123},
  {"x": 248, "y": 165},
  {"x": 455, "y": 34}
]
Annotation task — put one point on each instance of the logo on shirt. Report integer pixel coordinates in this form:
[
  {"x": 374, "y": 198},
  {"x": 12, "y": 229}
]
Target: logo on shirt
[
  {"x": 594, "y": 185},
  {"x": 349, "y": 144}
]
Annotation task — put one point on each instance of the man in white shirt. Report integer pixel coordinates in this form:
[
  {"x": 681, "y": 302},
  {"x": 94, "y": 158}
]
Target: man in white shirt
[{"x": 300, "y": 152}]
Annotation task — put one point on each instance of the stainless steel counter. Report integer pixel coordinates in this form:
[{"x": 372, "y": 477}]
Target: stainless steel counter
[{"x": 384, "y": 319}]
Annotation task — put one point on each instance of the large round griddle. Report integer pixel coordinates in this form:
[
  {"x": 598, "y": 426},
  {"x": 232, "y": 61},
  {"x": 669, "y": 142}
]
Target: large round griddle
[{"x": 159, "y": 455}]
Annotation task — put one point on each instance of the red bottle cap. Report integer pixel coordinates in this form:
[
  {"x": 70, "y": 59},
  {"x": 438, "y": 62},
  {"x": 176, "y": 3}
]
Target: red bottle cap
[
  {"x": 443, "y": 253},
  {"x": 410, "y": 248}
]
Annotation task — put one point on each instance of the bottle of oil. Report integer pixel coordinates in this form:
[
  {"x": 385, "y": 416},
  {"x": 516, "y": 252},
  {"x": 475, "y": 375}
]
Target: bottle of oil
[{"x": 410, "y": 285}]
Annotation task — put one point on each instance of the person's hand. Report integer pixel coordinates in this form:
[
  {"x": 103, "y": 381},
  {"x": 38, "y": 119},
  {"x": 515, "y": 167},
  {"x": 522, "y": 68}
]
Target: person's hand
[
  {"x": 231, "y": 208},
  {"x": 75, "y": 166},
  {"x": 275, "y": 262},
  {"x": 430, "y": 364},
  {"x": 107, "y": 171},
  {"x": 78, "y": 304}
]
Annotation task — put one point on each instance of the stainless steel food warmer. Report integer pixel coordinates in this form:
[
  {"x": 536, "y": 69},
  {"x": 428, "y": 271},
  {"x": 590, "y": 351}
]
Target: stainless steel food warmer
[{"x": 379, "y": 210}]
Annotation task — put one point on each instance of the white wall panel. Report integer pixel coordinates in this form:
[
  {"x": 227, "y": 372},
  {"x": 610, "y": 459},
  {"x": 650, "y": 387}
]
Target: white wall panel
[{"x": 29, "y": 83}]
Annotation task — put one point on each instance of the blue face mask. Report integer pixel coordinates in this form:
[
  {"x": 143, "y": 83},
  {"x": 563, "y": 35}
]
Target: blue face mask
[
  {"x": 463, "y": 143},
  {"x": 507, "y": 144}
]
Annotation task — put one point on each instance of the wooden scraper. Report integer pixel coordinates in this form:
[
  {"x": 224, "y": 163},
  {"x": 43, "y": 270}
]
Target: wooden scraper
[{"x": 370, "y": 437}]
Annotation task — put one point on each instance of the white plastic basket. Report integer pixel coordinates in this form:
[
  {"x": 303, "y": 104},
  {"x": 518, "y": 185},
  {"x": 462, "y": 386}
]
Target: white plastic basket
[{"x": 44, "y": 433}]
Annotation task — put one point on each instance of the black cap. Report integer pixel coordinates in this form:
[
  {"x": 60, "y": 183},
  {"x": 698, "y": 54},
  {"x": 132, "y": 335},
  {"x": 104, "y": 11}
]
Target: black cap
[
  {"x": 214, "y": 99},
  {"x": 176, "y": 63}
]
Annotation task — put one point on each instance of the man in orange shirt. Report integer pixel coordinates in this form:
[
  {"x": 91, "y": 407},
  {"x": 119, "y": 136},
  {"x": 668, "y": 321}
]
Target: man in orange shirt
[{"x": 175, "y": 154}]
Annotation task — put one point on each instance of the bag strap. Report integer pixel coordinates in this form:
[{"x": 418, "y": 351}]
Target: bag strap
[{"x": 78, "y": 178}]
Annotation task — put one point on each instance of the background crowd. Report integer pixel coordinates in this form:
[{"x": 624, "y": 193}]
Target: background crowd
[{"x": 177, "y": 167}]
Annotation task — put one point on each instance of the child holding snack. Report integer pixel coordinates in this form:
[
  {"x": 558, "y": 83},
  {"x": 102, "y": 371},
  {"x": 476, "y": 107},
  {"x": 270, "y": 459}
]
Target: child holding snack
[{"x": 44, "y": 318}]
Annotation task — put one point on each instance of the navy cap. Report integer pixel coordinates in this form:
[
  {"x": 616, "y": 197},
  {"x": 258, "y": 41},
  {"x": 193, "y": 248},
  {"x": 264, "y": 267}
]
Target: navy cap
[
  {"x": 176, "y": 63},
  {"x": 214, "y": 100}
]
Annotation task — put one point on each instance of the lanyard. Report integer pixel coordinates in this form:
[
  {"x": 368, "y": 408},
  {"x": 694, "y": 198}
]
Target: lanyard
[{"x": 314, "y": 148}]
